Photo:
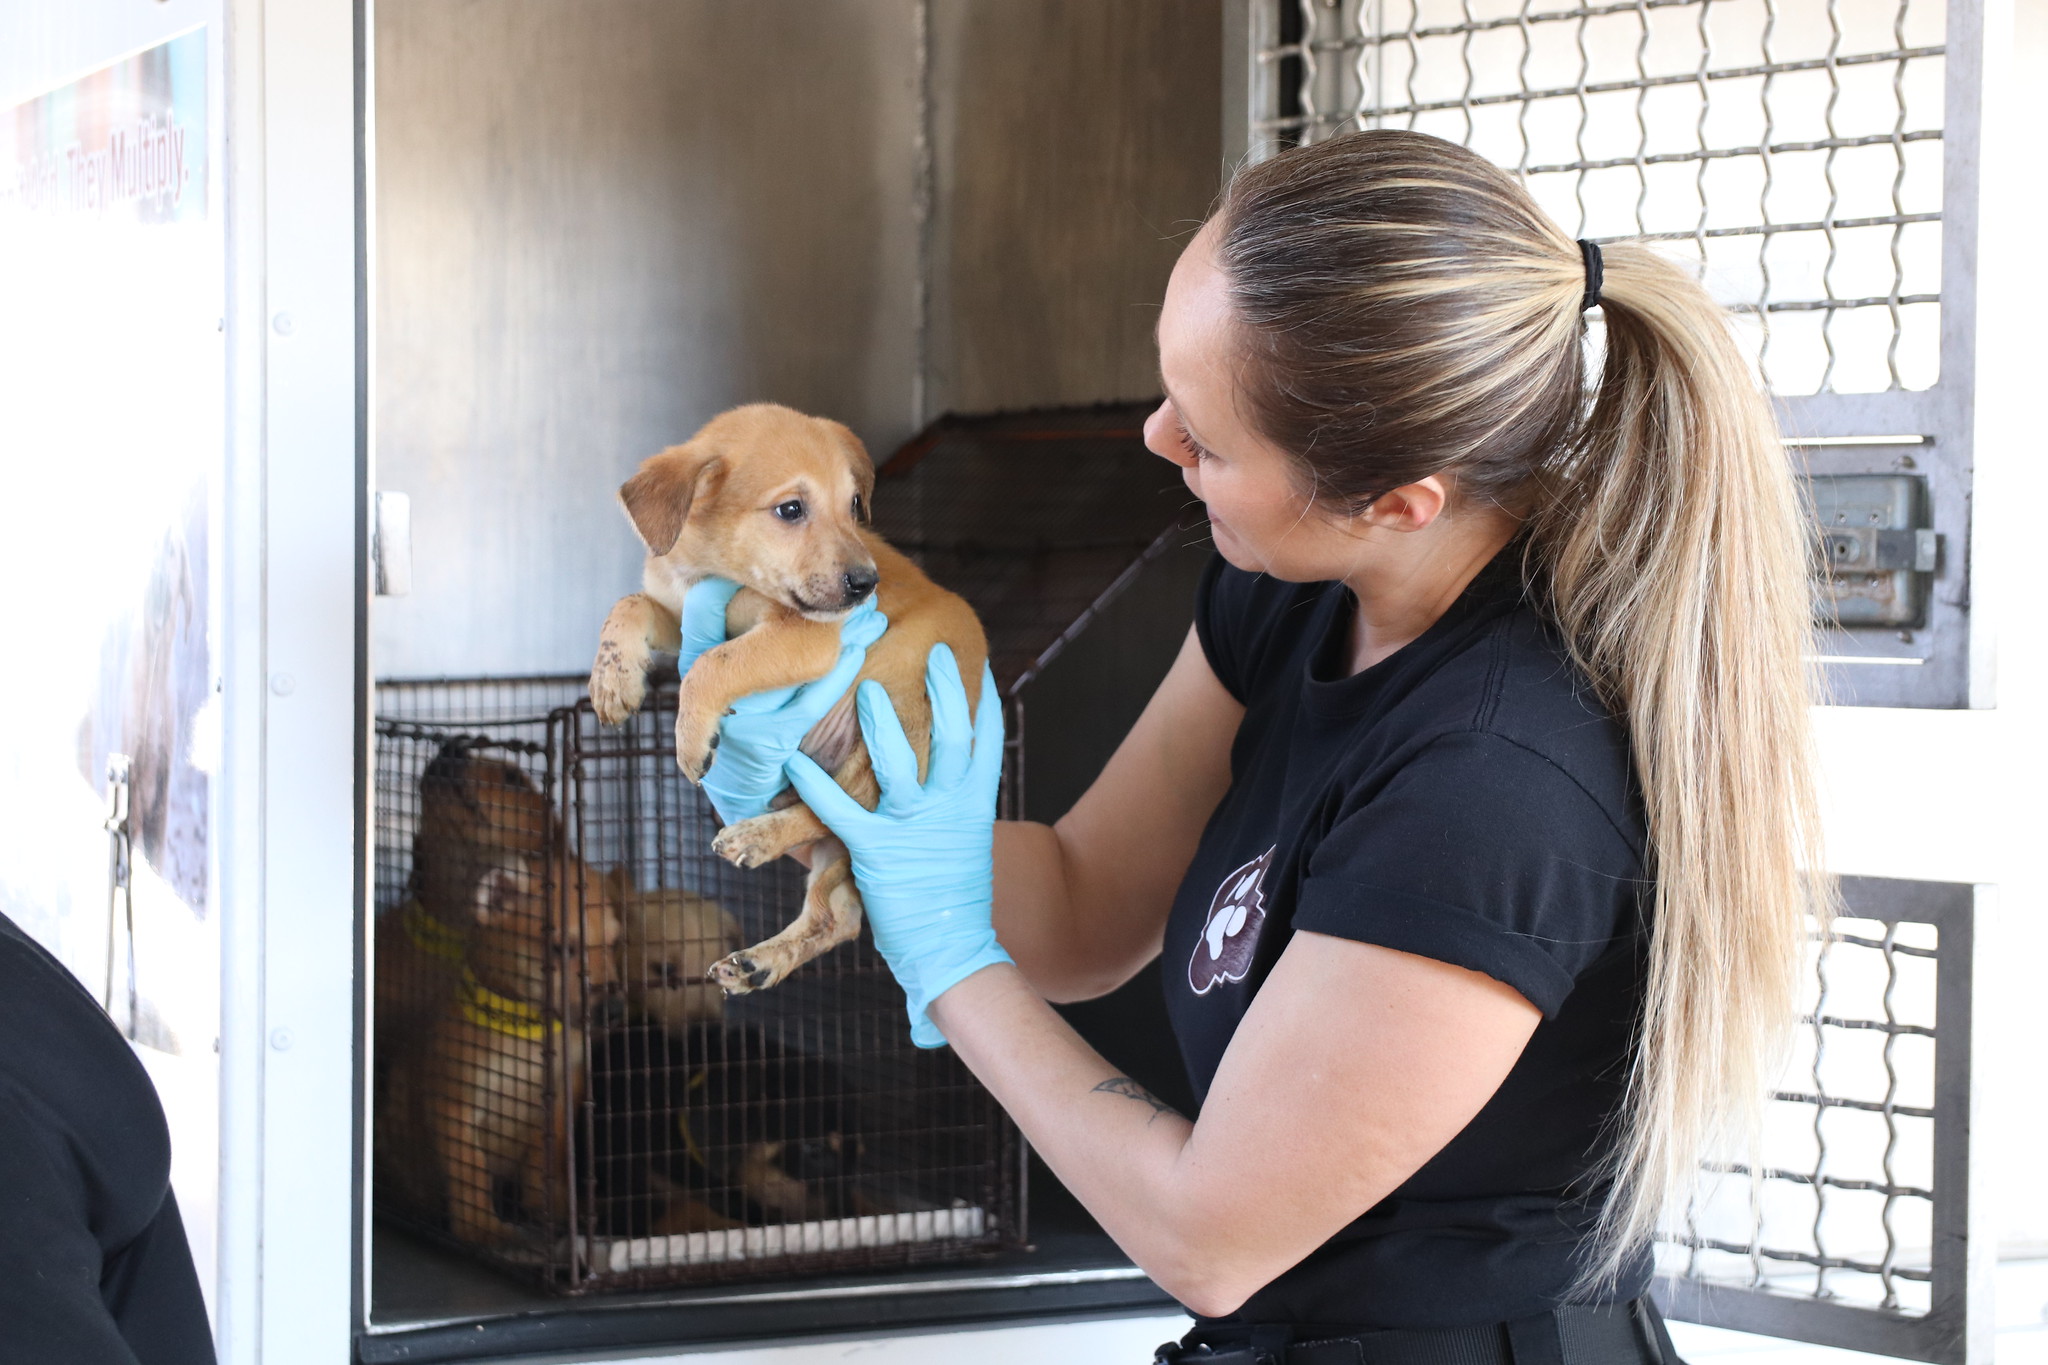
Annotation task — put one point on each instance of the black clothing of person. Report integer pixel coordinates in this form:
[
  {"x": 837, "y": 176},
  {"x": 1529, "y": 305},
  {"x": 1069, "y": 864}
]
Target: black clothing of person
[
  {"x": 94, "y": 1265},
  {"x": 1466, "y": 799}
]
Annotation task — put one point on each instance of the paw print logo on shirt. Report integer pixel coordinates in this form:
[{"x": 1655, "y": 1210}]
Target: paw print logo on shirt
[{"x": 1230, "y": 935}]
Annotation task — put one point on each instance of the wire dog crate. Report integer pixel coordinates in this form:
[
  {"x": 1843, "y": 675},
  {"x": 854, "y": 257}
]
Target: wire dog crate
[
  {"x": 561, "y": 1093},
  {"x": 558, "y": 1090}
]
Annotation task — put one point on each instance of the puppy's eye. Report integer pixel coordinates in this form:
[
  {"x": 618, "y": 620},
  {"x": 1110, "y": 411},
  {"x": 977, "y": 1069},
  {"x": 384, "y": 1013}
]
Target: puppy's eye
[
  {"x": 793, "y": 510},
  {"x": 856, "y": 507}
]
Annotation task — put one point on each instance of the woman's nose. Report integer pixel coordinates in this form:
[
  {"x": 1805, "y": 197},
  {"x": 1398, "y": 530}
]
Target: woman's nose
[{"x": 1162, "y": 436}]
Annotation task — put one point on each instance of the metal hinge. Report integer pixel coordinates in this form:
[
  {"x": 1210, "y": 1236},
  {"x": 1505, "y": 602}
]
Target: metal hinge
[{"x": 120, "y": 889}]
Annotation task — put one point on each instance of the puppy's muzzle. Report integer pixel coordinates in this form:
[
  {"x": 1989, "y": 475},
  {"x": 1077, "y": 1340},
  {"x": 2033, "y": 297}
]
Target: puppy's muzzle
[{"x": 859, "y": 583}]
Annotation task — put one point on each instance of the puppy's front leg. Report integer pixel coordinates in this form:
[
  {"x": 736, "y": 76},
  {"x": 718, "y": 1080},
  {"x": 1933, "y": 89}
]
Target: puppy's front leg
[
  {"x": 778, "y": 653},
  {"x": 465, "y": 1158},
  {"x": 635, "y": 629}
]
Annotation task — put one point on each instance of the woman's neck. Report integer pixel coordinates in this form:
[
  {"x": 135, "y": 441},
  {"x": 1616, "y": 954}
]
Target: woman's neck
[{"x": 1407, "y": 589}]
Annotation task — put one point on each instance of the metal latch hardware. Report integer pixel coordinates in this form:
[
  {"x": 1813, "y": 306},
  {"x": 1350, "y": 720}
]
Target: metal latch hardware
[
  {"x": 1878, "y": 554},
  {"x": 1865, "y": 549}
]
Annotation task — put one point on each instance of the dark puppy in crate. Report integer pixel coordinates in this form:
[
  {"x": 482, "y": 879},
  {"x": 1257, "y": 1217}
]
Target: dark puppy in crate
[
  {"x": 477, "y": 809},
  {"x": 479, "y": 815},
  {"x": 778, "y": 503},
  {"x": 716, "y": 1126}
]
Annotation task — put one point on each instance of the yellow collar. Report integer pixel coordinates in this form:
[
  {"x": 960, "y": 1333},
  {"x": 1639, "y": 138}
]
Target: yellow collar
[
  {"x": 501, "y": 1014},
  {"x": 690, "y": 1146},
  {"x": 428, "y": 934}
]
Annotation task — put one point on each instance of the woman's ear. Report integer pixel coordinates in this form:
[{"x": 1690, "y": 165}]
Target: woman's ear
[{"x": 1412, "y": 506}]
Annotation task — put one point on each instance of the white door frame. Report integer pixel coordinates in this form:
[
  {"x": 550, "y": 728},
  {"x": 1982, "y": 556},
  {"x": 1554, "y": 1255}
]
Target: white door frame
[{"x": 291, "y": 864}]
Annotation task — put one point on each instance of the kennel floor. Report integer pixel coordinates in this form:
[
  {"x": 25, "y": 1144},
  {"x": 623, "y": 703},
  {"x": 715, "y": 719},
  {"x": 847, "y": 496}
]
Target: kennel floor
[{"x": 429, "y": 1303}]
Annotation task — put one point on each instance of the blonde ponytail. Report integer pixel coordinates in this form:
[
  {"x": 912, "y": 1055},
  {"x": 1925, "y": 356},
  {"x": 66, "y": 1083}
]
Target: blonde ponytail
[
  {"x": 1676, "y": 554},
  {"x": 1407, "y": 309}
]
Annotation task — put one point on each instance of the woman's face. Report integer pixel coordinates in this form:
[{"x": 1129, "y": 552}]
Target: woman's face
[{"x": 1258, "y": 514}]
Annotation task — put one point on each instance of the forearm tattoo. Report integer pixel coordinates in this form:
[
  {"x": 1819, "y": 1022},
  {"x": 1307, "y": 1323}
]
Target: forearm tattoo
[{"x": 1131, "y": 1090}]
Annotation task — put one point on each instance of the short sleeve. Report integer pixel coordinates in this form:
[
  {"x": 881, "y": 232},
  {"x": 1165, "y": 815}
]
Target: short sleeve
[
  {"x": 1249, "y": 625},
  {"x": 1216, "y": 606},
  {"x": 1485, "y": 854}
]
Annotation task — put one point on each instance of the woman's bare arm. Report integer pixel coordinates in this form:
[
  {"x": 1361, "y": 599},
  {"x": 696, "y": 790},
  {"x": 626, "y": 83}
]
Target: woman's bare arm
[
  {"x": 1082, "y": 905},
  {"x": 1354, "y": 1065}
]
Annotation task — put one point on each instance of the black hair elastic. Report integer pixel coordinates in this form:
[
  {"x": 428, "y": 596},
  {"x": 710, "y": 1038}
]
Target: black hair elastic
[{"x": 1596, "y": 273}]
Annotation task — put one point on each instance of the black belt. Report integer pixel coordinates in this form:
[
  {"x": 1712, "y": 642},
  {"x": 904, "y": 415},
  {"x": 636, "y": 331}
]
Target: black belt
[{"x": 1598, "y": 1334}]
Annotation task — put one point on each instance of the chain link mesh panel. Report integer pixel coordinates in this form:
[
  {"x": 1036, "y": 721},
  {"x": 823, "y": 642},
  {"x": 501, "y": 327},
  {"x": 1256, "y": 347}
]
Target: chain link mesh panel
[
  {"x": 1792, "y": 148},
  {"x": 1843, "y": 1208}
]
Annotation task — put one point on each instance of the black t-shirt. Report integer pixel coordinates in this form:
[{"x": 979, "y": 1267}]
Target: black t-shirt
[
  {"x": 94, "y": 1266},
  {"x": 1466, "y": 799}
]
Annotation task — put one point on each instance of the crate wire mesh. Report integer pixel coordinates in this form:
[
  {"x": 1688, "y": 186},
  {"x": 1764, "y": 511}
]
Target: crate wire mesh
[
  {"x": 1854, "y": 1226},
  {"x": 1791, "y": 148},
  {"x": 659, "y": 1135},
  {"x": 683, "y": 1138}
]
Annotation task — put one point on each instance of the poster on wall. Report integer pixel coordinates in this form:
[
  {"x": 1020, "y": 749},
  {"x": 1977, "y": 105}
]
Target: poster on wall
[{"x": 112, "y": 392}]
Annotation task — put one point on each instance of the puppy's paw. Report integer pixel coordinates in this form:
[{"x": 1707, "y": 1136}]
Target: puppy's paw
[
  {"x": 618, "y": 685},
  {"x": 743, "y": 971},
  {"x": 750, "y": 843},
  {"x": 696, "y": 742}
]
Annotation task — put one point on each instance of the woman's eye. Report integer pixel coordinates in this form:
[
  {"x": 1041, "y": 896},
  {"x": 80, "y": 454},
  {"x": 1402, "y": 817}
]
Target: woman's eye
[{"x": 793, "y": 510}]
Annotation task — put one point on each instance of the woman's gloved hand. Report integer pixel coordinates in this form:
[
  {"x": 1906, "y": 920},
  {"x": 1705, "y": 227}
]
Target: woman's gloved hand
[
  {"x": 764, "y": 729},
  {"x": 924, "y": 858}
]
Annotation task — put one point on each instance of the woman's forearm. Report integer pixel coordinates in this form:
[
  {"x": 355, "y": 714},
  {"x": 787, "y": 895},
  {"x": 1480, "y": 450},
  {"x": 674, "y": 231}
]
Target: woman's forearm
[
  {"x": 1109, "y": 1140},
  {"x": 1354, "y": 1066},
  {"x": 1067, "y": 948}
]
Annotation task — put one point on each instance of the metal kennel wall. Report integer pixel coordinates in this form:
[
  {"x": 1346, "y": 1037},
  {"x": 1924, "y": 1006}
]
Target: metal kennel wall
[
  {"x": 588, "y": 229},
  {"x": 1816, "y": 159}
]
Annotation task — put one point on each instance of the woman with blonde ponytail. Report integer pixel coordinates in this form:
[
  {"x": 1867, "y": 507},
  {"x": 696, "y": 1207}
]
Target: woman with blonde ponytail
[{"x": 1472, "y": 826}]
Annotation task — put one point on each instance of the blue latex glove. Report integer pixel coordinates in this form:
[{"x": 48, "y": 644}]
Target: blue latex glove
[
  {"x": 764, "y": 729},
  {"x": 924, "y": 858}
]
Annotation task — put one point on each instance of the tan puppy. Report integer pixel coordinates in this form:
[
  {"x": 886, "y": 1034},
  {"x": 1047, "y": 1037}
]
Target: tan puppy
[
  {"x": 488, "y": 1120},
  {"x": 672, "y": 939},
  {"x": 778, "y": 503}
]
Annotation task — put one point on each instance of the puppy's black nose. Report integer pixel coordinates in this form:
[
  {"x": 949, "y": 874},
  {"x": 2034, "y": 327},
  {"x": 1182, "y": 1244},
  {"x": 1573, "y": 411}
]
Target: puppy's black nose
[{"x": 860, "y": 582}]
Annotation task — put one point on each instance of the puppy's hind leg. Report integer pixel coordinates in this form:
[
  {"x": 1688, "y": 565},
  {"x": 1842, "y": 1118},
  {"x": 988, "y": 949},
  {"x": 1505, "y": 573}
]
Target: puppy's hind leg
[
  {"x": 831, "y": 916},
  {"x": 763, "y": 839}
]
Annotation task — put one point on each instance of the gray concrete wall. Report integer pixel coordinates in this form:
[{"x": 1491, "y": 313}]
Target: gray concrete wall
[{"x": 600, "y": 222}]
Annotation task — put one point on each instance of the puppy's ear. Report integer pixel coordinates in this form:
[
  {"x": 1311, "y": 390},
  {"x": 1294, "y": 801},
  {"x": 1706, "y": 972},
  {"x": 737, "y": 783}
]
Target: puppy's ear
[
  {"x": 618, "y": 884},
  {"x": 659, "y": 497},
  {"x": 499, "y": 889},
  {"x": 863, "y": 467}
]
